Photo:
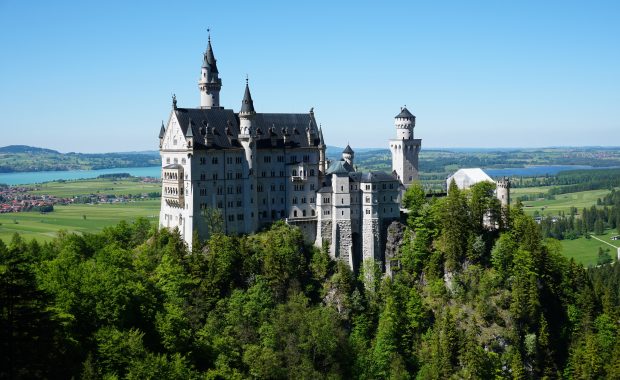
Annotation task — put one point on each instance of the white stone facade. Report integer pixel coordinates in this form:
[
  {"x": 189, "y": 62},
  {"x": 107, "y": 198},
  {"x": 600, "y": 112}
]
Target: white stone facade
[{"x": 255, "y": 168}]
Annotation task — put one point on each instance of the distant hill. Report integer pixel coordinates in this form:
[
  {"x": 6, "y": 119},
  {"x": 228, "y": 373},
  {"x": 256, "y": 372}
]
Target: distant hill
[
  {"x": 23, "y": 158},
  {"x": 26, "y": 149}
]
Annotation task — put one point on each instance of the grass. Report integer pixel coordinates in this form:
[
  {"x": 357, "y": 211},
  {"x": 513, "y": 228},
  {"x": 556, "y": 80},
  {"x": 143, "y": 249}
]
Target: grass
[
  {"x": 44, "y": 227},
  {"x": 563, "y": 202},
  {"x": 97, "y": 186},
  {"x": 585, "y": 251}
]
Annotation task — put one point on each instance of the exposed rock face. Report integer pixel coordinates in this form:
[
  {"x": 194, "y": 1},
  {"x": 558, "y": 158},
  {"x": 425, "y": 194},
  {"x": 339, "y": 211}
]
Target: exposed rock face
[{"x": 395, "y": 233}]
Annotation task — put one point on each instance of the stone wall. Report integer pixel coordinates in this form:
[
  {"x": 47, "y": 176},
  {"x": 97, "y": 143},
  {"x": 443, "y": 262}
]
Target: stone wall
[
  {"x": 370, "y": 240},
  {"x": 344, "y": 242}
]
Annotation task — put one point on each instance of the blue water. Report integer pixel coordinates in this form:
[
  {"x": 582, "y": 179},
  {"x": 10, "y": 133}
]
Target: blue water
[
  {"x": 155, "y": 171},
  {"x": 531, "y": 171},
  {"x": 38, "y": 177}
]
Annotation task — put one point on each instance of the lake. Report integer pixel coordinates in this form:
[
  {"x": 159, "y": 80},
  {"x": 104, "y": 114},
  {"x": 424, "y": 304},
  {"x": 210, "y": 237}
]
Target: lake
[
  {"x": 539, "y": 170},
  {"x": 24, "y": 178},
  {"x": 155, "y": 171}
]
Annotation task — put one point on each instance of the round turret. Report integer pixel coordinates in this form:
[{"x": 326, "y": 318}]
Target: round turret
[
  {"x": 404, "y": 122},
  {"x": 348, "y": 154}
]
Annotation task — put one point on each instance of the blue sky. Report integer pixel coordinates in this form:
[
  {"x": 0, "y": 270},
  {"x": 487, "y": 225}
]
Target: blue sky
[{"x": 97, "y": 76}]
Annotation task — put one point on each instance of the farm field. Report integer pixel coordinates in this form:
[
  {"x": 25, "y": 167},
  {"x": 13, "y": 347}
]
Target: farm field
[
  {"x": 561, "y": 203},
  {"x": 585, "y": 251},
  {"x": 75, "y": 218},
  {"x": 123, "y": 186}
]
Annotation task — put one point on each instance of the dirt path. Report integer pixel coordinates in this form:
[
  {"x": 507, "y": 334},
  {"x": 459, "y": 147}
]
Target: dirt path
[{"x": 603, "y": 241}]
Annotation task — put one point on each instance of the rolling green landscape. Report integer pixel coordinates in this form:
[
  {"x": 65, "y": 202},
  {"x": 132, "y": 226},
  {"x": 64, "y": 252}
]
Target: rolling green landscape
[
  {"x": 124, "y": 186},
  {"x": 75, "y": 218}
]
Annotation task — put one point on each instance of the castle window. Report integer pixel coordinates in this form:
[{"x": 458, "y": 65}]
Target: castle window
[
  {"x": 215, "y": 176},
  {"x": 281, "y": 173},
  {"x": 342, "y": 212},
  {"x": 303, "y": 199},
  {"x": 384, "y": 186},
  {"x": 202, "y": 176},
  {"x": 167, "y": 160},
  {"x": 238, "y": 160},
  {"x": 262, "y": 174},
  {"x": 312, "y": 186},
  {"x": 367, "y": 212},
  {"x": 273, "y": 174},
  {"x": 294, "y": 200},
  {"x": 239, "y": 189},
  {"x": 273, "y": 187},
  {"x": 259, "y": 188},
  {"x": 367, "y": 187},
  {"x": 281, "y": 187},
  {"x": 341, "y": 188},
  {"x": 238, "y": 175},
  {"x": 294, "y": 172},
  {"x": 229, "y": 175},
  {"x": 214, "y": 160},
  {"x": 293, "y": 159},
  {"x": 230, "y": 190},
  {"x": 311, "y": 200},
  {"x": 183, "y": 161},
  {"x": 239, "y": 216},
  {"x": 303, "y": 213},
  {"x": 267, "y": 159},
  {"x": 231, "y": 218},
  {"x": 306, "y": 158},
  {"x": 230, "y": 203},
  {"x": 203, "y": 160},
  {"x": 239, "y": 203},
  {"x": 295, "y": 213},
  {"x": 229, "y": 160},
  {"x": 312, "y": 212},
  {"x": 176, "y": 160},
  {"x": 341, "y": 201}
]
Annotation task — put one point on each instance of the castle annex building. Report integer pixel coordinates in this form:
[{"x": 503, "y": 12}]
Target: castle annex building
[{"x": 257, "y": 168}]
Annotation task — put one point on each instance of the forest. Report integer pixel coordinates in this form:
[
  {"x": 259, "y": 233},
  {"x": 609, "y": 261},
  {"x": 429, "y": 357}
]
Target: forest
[{"x": 467, "y": 301}]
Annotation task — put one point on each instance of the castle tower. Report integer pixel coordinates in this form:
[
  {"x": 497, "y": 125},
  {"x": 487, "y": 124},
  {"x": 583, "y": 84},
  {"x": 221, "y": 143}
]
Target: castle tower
[
  {"x": 348, "y": 154},
  {"x": 322, "y": 163},
  {"x": 405, "y": 148},
  {"x": 502, "y": 191},
  {"x": 209, "y": 82},
  {"x": 246, "y": 138}
]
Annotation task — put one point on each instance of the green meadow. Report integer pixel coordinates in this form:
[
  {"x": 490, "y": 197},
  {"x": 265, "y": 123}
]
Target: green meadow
[
  {"x": 123, "y": 186},
  {"x": 75, "y": 218},
  {"x": 585, "y": 251},
  {"x": 561, "y": 203}
]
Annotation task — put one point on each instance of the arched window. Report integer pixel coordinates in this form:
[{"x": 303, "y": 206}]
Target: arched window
[{"x": 295, "y": 213}]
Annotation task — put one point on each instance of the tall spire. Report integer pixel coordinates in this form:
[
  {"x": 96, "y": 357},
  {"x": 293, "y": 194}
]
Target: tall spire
[
  {"x": 209, "y": 83},
  {"x": 162, "y": 130},
  {"x": 247, "y": 105}
]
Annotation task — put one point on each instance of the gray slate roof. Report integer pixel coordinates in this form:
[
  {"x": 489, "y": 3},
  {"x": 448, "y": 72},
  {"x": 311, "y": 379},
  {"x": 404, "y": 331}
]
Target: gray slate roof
[
  {"x": 372, "y": 177},
  {"x": 348, "y": 150},
  {"x": 404, "y": 113},
  {"x": 247, "y": 104},
  {"x": 223, "y": 128},
  {"x": 210, "y": 58},
  {"x": 339, "y": 167}
]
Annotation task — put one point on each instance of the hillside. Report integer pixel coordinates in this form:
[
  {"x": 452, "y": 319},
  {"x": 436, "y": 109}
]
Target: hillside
[
  {"x": 23, "y": 158},
  {"x": 465, "y": 302}
]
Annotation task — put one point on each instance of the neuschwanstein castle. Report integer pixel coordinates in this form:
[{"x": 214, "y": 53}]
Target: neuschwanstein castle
[{"x": 256, "y": 168}]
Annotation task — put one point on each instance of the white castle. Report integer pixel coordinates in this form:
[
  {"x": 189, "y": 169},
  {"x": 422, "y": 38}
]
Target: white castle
[{"x": 257, "y": 168}]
